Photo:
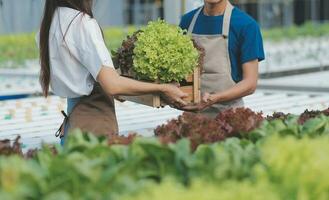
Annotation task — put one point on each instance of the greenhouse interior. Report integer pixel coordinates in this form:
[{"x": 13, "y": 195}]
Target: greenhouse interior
[{"x": 164, "y": 99}]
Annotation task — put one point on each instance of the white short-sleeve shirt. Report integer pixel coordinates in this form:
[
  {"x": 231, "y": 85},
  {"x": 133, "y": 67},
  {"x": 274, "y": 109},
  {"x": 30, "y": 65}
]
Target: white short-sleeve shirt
[{"x": 76, "y": 60}]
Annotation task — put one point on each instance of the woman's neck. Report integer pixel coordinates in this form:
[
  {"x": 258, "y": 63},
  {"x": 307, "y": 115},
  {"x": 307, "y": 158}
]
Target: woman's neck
[{"x": 215, "y": 9}]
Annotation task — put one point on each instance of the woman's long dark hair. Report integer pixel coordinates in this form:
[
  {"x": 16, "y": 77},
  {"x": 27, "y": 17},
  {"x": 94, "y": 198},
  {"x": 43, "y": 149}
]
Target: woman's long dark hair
[{"x": 84, "y": 6}]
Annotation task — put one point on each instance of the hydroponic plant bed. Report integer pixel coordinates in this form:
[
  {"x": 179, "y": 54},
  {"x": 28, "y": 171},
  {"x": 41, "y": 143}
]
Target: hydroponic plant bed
[
  {"x": 36, "y": 119},
  {"x": 281, "y": 157}
]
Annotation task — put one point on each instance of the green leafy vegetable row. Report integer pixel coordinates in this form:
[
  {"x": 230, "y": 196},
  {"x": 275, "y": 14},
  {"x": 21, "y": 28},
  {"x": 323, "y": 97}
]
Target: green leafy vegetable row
[
  {"x": 309, "y": 29},
  {"x": 16, "y": 49},
  {"x": 282, "y": 159},
  {"x": 89, "y": 169},
  {"x": 288, "y": 168},
  {"x": 20, "y": 47}
]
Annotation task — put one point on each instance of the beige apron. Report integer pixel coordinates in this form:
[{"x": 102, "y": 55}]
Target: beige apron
[
  {"x": 216, "y": 75},
  {"x": 93, "y": 114}
]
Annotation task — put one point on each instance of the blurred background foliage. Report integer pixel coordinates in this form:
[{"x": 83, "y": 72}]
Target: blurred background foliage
[{"x": 17, "y": 48}]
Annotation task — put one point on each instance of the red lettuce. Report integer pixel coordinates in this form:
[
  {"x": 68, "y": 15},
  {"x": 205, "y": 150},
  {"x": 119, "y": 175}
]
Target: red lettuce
[
  {"x": 307, "y": 115},
  {"x": 8, "y": 149},
  {"x": 240, "y": 120},
  {"x": 198, "y": 128}
]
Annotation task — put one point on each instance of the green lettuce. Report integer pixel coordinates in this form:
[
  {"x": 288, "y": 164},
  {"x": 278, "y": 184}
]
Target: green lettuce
[{"x": 164, "y": 53}]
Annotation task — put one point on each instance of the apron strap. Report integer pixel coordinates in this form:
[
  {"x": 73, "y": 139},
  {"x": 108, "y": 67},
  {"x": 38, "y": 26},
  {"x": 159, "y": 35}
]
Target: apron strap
[
  {"x": 227, "y": 19},
  {"x": 193, "y": 22},
  {"x": 71, "y": 104},
  {"x": 226, "y": 30}
]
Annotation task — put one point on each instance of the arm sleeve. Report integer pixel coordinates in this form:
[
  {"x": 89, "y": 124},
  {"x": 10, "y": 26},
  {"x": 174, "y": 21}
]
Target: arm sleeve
[
  {"x": 184, "y": 23},
  {"x": 251, "y": 43},
  {"x": 90, "y": 47},
  {"x": 186, "y": 20}
]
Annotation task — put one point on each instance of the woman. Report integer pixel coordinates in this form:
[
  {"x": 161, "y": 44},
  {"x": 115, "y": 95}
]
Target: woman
[{"x": 77, "y": 65}]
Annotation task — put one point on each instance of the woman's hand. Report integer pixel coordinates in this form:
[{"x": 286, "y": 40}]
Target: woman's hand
[
  {"x": 173, "y": 95},
  {"x": 120, "y": 99}
]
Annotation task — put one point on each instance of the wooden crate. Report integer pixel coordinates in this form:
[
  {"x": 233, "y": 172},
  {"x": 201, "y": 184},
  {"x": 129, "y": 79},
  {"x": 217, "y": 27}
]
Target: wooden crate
[{"x": 191, "y": 86}]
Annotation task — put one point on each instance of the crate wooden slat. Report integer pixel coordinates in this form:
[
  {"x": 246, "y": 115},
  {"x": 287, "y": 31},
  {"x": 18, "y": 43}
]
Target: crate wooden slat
[{"x": 197, "y": 85}]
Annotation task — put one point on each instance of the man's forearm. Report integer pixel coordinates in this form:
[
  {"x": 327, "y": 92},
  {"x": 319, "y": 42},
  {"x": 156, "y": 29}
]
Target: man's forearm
[
  {"x": 241, "y": 89},
  {"x": 245, "y": 87}
]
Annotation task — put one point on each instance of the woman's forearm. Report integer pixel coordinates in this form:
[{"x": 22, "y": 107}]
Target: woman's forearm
[
  {"x": 132, "y": 87},
  {"x": 114, "y": 84}
]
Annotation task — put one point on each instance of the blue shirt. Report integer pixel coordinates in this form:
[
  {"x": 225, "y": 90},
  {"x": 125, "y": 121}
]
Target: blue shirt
[{"x": 245, "y": 38}]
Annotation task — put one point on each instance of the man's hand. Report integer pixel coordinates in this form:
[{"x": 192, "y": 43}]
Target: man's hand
[
  {"x": 207, "y": 100},
  {"x": 245, "y": 87}
]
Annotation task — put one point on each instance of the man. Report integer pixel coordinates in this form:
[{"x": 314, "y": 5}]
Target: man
[{"x": 234, "y": 47}]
